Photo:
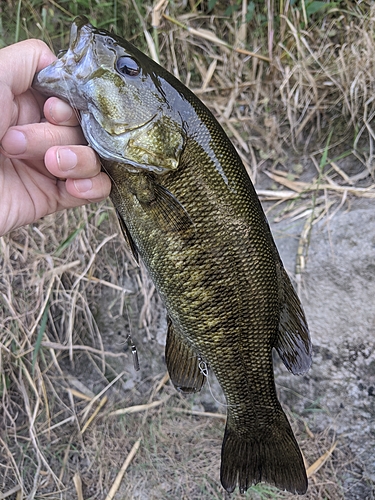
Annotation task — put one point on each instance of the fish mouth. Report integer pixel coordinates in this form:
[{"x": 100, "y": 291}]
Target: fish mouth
[
  {"x": 75, "y": 64},
  {"x": 80, "y": 44}
]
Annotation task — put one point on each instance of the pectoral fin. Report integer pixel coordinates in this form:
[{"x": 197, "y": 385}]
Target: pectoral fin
[
  {"x": 161, "y": 205},
  {"x": 127, "y": 236},
  {"x": 182, "y": 362},
  {"x": 169, "y": 214},
  {"x": 293, "y": 342}
]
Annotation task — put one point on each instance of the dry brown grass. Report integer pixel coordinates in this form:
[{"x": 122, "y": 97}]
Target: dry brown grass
[{"x": 306, "y": 119}]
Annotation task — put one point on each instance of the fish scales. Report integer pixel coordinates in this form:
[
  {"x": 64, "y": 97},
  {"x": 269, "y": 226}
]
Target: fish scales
[{"x": 188, "y": 208}]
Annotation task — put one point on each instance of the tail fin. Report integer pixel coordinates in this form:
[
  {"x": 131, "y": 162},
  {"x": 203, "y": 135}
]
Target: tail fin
[{"x": 275, "y": 458}]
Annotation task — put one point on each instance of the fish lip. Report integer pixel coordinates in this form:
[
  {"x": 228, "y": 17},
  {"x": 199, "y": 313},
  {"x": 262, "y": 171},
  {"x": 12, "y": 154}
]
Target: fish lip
[
  {"x": 49, "y": 80},
  {"x": 80, "y": 38}
]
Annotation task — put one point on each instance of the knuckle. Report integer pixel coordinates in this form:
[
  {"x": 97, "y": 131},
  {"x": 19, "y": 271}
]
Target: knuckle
[{"x": 52, "y": 136}]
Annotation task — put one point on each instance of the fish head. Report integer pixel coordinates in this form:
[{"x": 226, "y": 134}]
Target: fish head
[{"x": 125, "y": 112}]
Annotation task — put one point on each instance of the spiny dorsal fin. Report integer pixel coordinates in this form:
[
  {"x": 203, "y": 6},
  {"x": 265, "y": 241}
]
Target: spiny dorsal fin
[
  {"x": 182, "y": 362},
  {"x": 129, "y": 240},
  {"x": 293, "y": 341}
]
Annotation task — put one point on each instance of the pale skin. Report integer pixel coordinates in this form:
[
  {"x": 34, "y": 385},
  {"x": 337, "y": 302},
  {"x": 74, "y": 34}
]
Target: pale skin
[{"x": 45, "y": 164}]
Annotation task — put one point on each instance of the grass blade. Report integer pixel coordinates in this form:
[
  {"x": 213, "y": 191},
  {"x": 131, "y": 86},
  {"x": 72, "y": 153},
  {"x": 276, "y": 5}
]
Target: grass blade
[{"x": 39, "y": 338}]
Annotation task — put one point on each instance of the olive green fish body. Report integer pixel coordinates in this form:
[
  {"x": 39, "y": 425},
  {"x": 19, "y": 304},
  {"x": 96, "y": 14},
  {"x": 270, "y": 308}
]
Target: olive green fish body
[
  {"x": 219, "y": 279},
  {"x": 188, "y": 209}
]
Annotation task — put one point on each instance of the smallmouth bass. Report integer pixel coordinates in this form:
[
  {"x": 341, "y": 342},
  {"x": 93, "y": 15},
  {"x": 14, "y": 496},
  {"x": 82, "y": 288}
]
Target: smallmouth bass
[{"x": 187, "y": 207}]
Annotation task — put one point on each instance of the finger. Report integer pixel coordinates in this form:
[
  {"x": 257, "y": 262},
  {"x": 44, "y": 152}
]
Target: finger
[
  {"x": 27, "y": 109},
  {"x": 80, "y": 191},
  {"x": 32, "y": 141},
  {"x": 31, "y": 56},
  {"x": 60, "y": 113},
  {"x": 73, "y": 162}
]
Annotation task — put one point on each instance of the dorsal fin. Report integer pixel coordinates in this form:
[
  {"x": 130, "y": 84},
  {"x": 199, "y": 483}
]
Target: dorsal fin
[
  {"x": 182, "y": 362},
  {"x": 293, "y": 341}
]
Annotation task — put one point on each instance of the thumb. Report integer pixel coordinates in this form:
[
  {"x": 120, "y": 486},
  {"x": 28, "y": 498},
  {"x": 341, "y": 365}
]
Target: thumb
[{"x": 19, "y": 63}]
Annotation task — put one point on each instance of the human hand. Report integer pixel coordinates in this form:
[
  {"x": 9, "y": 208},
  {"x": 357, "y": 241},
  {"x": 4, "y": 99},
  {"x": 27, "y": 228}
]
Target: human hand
[{"x": 37, "y": 155}]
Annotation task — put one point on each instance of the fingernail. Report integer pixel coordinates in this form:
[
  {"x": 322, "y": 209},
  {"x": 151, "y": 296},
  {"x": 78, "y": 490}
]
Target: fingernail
[
  {"x": 83, "y": 185},
  {"x": 60, "y": 111},
  {"x": 14, "y": 142},
  {"x": 66, "y": 159}
]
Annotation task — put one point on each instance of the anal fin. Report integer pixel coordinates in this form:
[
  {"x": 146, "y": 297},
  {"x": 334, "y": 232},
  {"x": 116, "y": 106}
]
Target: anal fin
[
  {"x": 293, "y": 342},
  {"x": 182, "y": 362}
]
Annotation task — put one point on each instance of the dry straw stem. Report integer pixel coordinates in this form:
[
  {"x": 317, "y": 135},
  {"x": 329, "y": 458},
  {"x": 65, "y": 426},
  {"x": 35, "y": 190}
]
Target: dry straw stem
[
  {"x": 120, "y": 475},
  {"x": 156, "y": 13},
  {"x": 197, "y": 413},
  {"x": 78, "y": 486},
  {"x": 304, "y": 187},
  {"x": 56, "y": 426},
  {"x": 79, "y": 395},
  {"x": 162, "y": 383},
  {"x": 106, "y": 283},
  {"x": 321, "y": 461},
  {"x": 139, "y": 408},
  {"x": 58, "y": 347},
  {"x": 11, "y": 492},
  {"x": 95, "y": 413},
  {"x": 211, "y": 37}
]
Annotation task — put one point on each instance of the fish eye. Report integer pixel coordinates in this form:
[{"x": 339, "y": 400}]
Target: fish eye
[{"x": 128, "y": 66}]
